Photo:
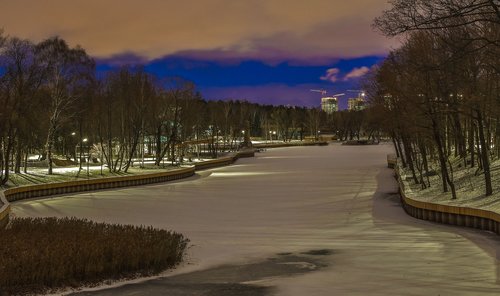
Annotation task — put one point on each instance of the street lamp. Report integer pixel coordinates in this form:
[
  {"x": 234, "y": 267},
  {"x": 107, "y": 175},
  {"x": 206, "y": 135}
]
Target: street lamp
[
  {"x": 88, "y": 155},
  {"x": 76, "y": 145}
]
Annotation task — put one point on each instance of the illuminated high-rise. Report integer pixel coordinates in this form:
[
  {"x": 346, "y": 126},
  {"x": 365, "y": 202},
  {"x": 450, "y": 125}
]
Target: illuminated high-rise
[
  {"x": 357, "y": 104},
  {"x": 329, "y": 104}
]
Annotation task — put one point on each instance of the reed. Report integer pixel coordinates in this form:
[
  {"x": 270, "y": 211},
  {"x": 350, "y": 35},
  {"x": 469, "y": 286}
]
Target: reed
[{"x": 43, "y": 254}]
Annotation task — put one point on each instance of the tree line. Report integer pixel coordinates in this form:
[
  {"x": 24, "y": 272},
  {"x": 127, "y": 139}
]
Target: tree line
[
  {"x": 438, "y": 95},
  {"x": 55, "y": 105}
]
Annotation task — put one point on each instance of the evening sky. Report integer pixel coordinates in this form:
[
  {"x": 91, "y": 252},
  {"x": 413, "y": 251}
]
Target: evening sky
[{"x": 266, "y": 51}]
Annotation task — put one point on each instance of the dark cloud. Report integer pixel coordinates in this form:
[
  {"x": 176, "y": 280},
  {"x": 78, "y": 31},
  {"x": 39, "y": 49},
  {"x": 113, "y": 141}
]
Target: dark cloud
[
  {"x": 266, "y": 51},
  {"x": 314, "y": 31}
]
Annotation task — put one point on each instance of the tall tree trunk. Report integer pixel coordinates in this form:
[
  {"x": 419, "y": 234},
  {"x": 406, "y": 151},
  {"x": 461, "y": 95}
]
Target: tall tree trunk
[
  {"x": 48, "y": 146},
  {"x": 443, "y": 160},
  {"x": 401, "y": 154},
  {"x": 471, "y": 137},
  {"x": 25, "y": 169},
  {"x": 459, "y": 135},
  {"x": 132, "y": 150},
  {"x": 398, "y": 155},
  {"x": 409, "y": 157},
  {"x": 6, "y": 155},
  {"x": 423, "y": 152},
  {"x": 158, "y": 147},
  {"x": 484, "y": 155},
  {"x": 17, "y": 166}
]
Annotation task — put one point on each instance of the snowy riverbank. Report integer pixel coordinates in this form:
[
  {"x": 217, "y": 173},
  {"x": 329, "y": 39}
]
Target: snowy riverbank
[
  {"x": 469, "y": 185},
  {"x": 293, "y": 200}
]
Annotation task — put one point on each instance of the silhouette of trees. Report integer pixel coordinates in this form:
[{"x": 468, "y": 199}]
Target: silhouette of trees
[
  {"x": 66, "y": 73},
  {"x": 440, "y": 92},
  {"x": 53, "y": 105}
]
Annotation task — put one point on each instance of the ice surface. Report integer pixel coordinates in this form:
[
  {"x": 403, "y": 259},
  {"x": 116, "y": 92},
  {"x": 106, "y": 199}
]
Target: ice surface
[{"x": 299, "y": 199}]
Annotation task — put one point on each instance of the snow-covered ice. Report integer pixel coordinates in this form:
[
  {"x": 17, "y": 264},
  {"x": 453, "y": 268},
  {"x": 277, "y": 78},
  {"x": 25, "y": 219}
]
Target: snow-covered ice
[{"x": 299, "y": 199}]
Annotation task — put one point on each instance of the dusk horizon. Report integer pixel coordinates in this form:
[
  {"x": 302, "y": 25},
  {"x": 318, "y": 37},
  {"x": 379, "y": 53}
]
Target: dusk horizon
[{"x": 257, "y": 51}]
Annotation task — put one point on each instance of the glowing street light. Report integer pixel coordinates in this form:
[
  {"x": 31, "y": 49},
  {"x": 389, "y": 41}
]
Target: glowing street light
[
  {"x": 88, "y": 155},
  {"x": 271, "y": 133}
]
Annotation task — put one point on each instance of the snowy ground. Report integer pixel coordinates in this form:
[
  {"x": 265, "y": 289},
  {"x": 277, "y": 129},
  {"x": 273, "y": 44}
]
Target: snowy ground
[
  {"x": 469, "y": 184},
  {"x": 39, "y": 175},
  {"x": 338, "y": 199}
]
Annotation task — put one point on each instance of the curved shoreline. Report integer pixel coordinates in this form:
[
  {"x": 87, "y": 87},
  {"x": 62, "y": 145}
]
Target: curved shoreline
[
  {"x": 229, "y": 224},
  {"x": 40, "y": 190},
  {"x": 48, "y": 189},
  {"x": 446, "y": 214}
]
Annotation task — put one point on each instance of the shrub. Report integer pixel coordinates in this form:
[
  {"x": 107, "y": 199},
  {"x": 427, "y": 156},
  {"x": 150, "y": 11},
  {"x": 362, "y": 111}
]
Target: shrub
[{"x": 41, "y": 254}]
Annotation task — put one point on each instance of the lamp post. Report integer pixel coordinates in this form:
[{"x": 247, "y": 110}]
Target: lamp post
[
  {"x": 73, "y": 135},
  {"x": 88, "y": 155},
  {"x": 242, "y": 137}
]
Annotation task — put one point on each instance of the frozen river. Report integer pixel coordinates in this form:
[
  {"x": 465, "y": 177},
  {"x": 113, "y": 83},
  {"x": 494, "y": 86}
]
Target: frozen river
[{"x": 327, "y": 214}]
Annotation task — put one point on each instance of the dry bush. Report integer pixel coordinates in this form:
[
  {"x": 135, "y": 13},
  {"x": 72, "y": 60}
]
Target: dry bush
[{"x": 41, "y": 254}]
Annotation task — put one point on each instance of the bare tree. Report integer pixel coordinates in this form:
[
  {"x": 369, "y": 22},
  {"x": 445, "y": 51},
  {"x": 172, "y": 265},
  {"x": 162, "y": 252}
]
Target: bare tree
[
  {"x": 21, "y": 81},
  {"x": 67, "y": 70},
  {"x": 416, "y": 15}
]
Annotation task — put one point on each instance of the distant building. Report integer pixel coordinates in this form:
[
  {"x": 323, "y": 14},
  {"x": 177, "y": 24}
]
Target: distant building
[
  {"x": 329, "y": 105},
  {"x": 356, "y": 104}
]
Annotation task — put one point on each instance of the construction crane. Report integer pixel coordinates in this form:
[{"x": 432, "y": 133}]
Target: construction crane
[
  {"x": 324, "y": 92},
  {"x": 361, "y": 93}
]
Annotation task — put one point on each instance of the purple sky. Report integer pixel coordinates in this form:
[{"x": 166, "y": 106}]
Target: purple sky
[{"x": 266, "y": 51}]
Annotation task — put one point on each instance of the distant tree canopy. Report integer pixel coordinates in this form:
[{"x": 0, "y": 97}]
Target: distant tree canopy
[{"x": 53, "y": 105}]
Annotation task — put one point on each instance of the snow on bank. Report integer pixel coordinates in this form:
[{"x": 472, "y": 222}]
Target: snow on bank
[
  {"x": 296, "y": 200},
  {"x": 469, "y": 185}
]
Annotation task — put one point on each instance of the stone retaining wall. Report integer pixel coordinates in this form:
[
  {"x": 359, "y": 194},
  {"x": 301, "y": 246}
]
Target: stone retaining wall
[
  {"x": 391, "y": 161},
  {"x": 24, "y": 192},
  {"x": 290, "y": 144},
  {"x": 4, "y": 210},
  {"x": 223, "y": 161},
  {"x": 447, "y": 214},
  {"x": 31, "y": 191}
]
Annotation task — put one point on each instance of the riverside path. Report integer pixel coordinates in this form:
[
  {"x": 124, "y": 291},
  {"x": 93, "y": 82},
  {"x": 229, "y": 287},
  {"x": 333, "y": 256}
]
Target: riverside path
[{"x": 292, "y": 221}]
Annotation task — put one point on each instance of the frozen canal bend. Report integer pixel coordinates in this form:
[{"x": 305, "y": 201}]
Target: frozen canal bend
[{"x": 335, "y": 198}]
